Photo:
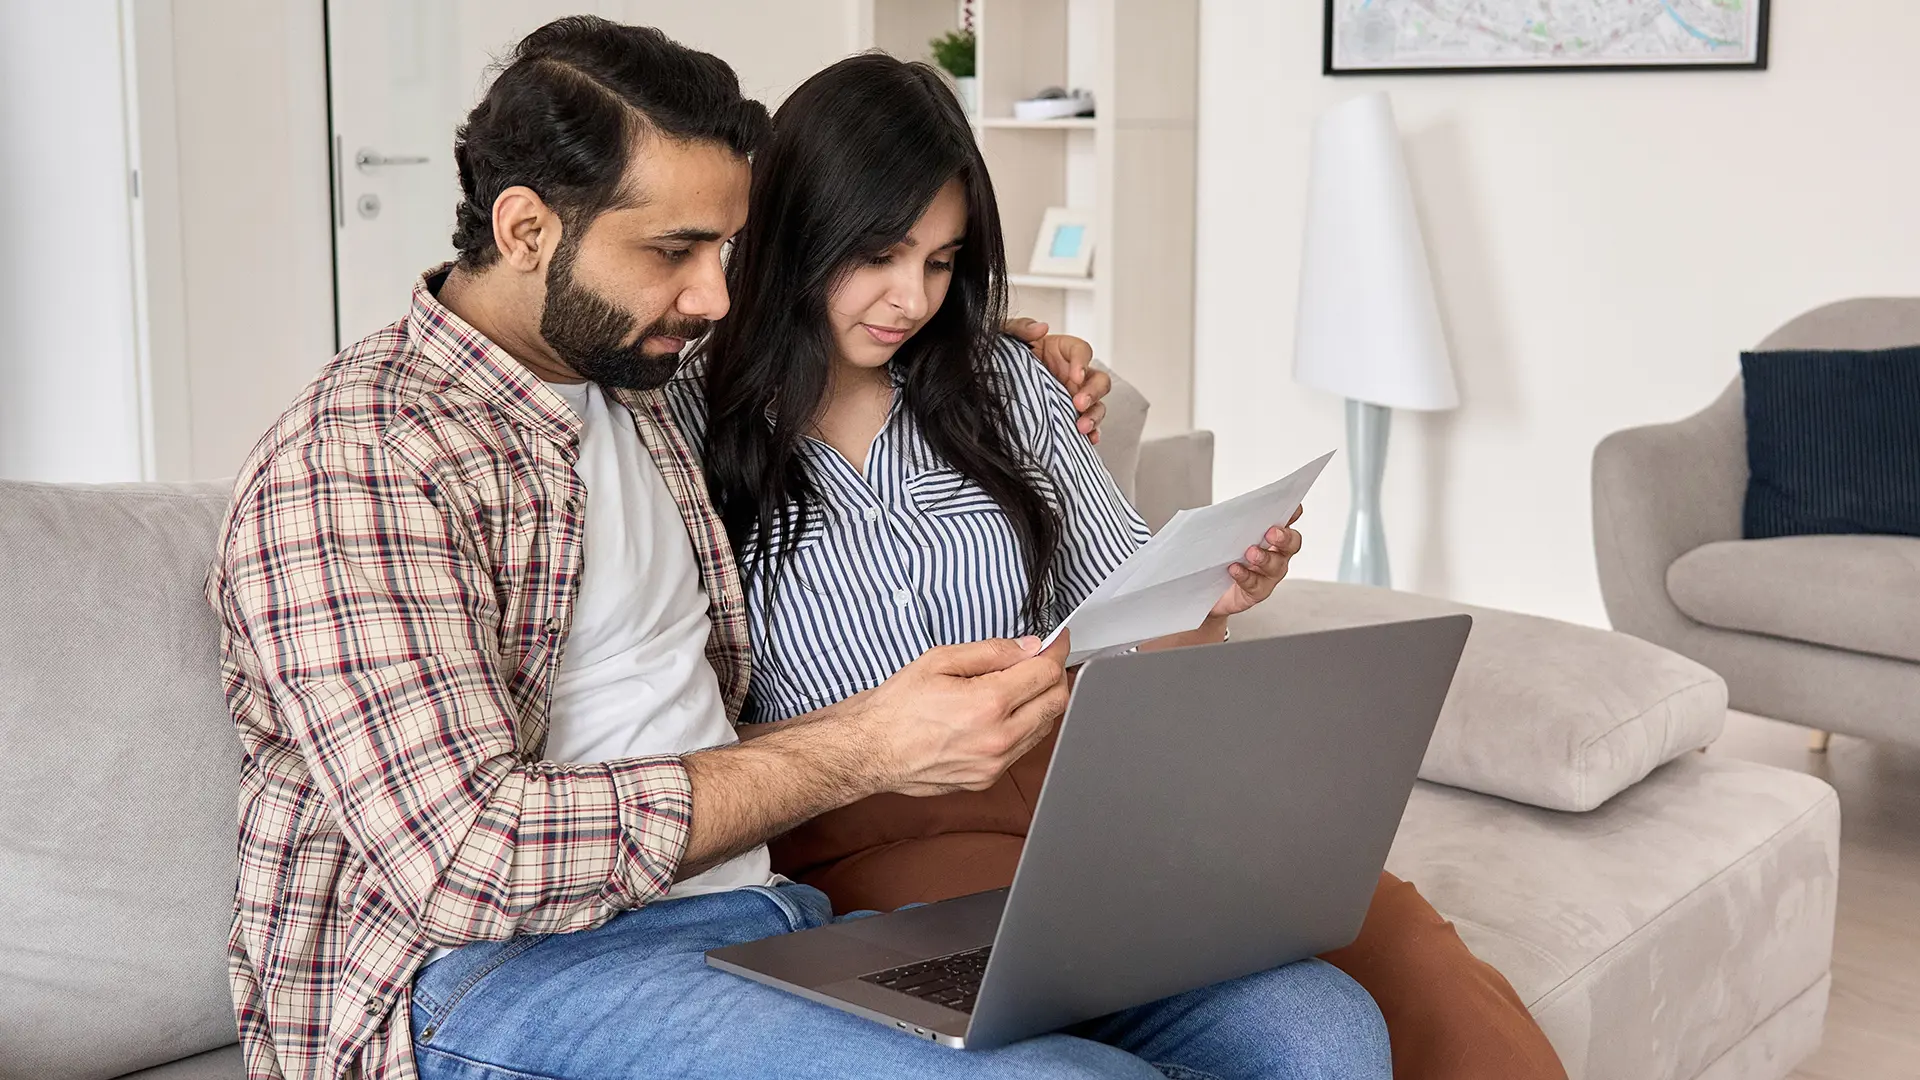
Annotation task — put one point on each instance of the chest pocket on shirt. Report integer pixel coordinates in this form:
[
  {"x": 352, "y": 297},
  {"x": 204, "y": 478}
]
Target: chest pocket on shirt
[{"x": 948, "y": 493}]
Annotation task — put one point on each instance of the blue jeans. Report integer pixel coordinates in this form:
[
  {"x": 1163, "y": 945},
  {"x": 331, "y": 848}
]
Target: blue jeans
[{"x": 635, "y": 998}]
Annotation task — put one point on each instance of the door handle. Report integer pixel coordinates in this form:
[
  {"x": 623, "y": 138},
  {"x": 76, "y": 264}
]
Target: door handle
[
  {"x": 339, "y": 186},
  {"x": 372, "y": 159}
]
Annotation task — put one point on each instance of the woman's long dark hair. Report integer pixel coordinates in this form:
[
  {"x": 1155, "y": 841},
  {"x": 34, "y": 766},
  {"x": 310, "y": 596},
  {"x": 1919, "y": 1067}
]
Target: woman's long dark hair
[{"x": 858, "y": 153}]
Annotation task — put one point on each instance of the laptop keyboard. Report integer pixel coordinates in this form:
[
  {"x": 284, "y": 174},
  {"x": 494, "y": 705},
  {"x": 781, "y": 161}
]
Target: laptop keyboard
[{"x": 953, "y": 981}]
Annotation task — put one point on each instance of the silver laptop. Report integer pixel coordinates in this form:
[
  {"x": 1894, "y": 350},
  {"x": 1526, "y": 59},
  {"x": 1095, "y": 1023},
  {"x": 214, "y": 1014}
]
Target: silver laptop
[{"x": 1210, "y": 812}]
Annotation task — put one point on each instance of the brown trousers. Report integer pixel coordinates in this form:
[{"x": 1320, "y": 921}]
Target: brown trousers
[{"x": 1450, "y": 1016}]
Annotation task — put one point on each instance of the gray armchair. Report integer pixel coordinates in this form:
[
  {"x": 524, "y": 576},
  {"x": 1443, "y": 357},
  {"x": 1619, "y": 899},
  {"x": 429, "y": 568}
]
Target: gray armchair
[{"x": 1818, "y": 630}]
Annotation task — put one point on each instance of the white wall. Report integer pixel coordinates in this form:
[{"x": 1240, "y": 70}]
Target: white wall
[
  {"x": 232, "y": 108},
  {"x": 69, "y": 392},
  {"x": 1604, "y": 246},
  {"x": 773, "y": 46}
]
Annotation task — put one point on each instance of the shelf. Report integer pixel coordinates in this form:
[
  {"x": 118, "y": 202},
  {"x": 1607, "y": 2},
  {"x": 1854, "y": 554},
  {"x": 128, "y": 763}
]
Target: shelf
[
  {"x": 1051, "y": 281},
  {"x": 1130, "y": 168},
  {"x": 1071, "y": 123}
]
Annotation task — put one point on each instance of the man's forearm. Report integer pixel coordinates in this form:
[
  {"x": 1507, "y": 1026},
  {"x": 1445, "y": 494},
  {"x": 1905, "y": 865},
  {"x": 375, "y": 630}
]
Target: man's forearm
[
  {"x": 774, "y": 780},
  {"x": 951, "y": 720}
]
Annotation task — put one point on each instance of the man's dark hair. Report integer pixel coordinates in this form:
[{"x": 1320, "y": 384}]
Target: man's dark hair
[{"x": 568, "y": 106}]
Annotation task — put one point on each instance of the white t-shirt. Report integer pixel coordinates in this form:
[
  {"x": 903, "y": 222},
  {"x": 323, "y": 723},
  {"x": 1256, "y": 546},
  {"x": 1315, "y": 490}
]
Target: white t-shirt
[{"x": 634, "y": 678}]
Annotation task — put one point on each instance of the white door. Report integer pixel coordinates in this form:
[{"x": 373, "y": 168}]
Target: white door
[{"x": 404, "y": 73}]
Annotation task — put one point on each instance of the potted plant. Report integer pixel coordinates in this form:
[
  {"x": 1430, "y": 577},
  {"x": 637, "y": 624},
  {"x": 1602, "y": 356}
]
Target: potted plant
[{"x": 953, "y": 51}]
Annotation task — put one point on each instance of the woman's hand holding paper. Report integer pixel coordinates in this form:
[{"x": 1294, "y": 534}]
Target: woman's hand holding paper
[{"x": 1264, "y": 565}]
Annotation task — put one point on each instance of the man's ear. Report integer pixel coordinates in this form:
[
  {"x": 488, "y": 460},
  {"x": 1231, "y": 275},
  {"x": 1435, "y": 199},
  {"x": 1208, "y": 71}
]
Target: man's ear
[{"x": 525, "y": 229}]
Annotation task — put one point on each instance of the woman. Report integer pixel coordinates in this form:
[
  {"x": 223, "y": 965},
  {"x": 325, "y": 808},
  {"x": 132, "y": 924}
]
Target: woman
[{"x": 895, "y": 476}]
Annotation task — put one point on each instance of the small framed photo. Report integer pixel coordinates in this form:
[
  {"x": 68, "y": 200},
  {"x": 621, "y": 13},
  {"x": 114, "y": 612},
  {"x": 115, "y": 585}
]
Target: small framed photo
[{"x": 1064, "y": 247}]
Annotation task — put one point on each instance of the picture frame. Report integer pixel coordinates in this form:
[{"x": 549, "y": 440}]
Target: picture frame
[
  {"x": 1370, "y": 37},
  {"x": 1064, "y": 247}
]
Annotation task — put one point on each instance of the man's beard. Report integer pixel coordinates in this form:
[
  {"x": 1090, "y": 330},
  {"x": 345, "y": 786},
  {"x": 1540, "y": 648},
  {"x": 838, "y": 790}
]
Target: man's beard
[{"x": 589, "y": 333}]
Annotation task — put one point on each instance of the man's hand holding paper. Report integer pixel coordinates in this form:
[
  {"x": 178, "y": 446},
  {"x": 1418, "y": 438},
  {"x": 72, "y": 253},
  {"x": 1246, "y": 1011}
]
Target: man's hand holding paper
[{"x": 1193, "y": 568}]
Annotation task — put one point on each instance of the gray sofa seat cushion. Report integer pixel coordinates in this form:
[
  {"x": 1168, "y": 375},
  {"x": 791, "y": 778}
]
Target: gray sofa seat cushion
[
  {"x": 1860, "y": 593},
  {"x": 1650, "y": 937},
  {"x": 1541, "y": 712},
  {"x": 118, "y": 790},
  {"x": 225, "y": 1063}
]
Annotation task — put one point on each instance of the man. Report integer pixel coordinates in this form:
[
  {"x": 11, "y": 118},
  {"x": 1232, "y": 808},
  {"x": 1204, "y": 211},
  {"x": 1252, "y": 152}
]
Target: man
[{"x": 439, "y": 563}]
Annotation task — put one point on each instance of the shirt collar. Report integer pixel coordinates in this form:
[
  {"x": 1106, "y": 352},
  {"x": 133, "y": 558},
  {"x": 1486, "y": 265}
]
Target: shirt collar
[
  {"x": 898, "y": 425},
  {"x": 483, "y": 367}
]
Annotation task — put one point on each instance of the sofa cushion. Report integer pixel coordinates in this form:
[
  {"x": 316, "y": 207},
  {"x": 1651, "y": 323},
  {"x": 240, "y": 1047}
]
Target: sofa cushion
[
  {"x": 1849, "y": 592},
  {"x": 1832, "y": 446},
  {"x": 1782, "y": 1041},
  {"x": 226, "y": 1063},
  {"x": 1651, "y": 936},
  {"x": 1121, "y": 432},
  {"x": 1175, "y": 474},
  {"x": 118, "y": 791},
  {"x": 1541, "y": 712}
]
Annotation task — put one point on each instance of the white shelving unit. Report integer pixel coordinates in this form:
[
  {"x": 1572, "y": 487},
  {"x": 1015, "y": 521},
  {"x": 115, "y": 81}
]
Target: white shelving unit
[
  {"x": 1131, "y": 164},
  {"x": 1051, "y": 281},
  {"x": 1072, "y": 123}
]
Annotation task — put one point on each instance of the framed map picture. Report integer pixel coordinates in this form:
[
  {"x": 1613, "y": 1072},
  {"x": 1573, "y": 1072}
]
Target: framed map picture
[{"x": 1400, "y": 37}]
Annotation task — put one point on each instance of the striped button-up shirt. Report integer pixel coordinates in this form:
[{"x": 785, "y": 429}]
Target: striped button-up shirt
[
  {"x": 395, "y": 581},
  {"x": 907, "y": 553}
]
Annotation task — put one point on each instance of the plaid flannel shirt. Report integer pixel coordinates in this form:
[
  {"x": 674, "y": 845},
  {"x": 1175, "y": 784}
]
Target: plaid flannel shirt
[{"x": 395, "y": 582}]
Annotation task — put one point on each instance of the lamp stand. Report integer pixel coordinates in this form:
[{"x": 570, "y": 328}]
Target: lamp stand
[{"x": 1363, "y": 557}]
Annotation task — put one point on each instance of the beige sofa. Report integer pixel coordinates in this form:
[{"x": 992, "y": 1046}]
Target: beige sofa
[
  {"x": 1679, "y": 928},
  {"x": 1820, "y": 630}
]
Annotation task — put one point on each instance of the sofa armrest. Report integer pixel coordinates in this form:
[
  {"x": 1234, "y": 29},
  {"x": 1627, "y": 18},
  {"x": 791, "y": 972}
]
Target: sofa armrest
[
  {"x": 1175, "y": 473},
  {"x": 1658, "y": 493}
]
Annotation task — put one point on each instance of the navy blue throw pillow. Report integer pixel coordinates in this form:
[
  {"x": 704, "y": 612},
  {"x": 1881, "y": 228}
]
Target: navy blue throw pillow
[{"x": 1833, "y": 442}]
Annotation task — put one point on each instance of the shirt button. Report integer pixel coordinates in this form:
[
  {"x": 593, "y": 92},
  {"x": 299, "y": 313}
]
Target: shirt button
[
  {"x": 553, "y": 626},
  {"x": 872, "y": 514},
  {"x": 373, "y": 1004},
  {"x": 902, "y": 597}
]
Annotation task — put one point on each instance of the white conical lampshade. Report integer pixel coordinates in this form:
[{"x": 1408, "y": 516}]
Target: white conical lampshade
[{"x": 1368, "y": 326}]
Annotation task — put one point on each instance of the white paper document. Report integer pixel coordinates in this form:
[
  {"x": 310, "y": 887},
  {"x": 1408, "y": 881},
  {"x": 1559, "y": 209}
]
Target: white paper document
[{"x": 1171, "y": 582}]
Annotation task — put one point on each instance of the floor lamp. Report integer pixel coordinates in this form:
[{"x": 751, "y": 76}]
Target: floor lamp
[{"x": 1368, "y": 327}]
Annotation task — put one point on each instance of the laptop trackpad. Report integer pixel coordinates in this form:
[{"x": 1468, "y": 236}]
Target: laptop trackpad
[
  {"x": 845, "y": 950},
  {"x": 950, "y": 926}
]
